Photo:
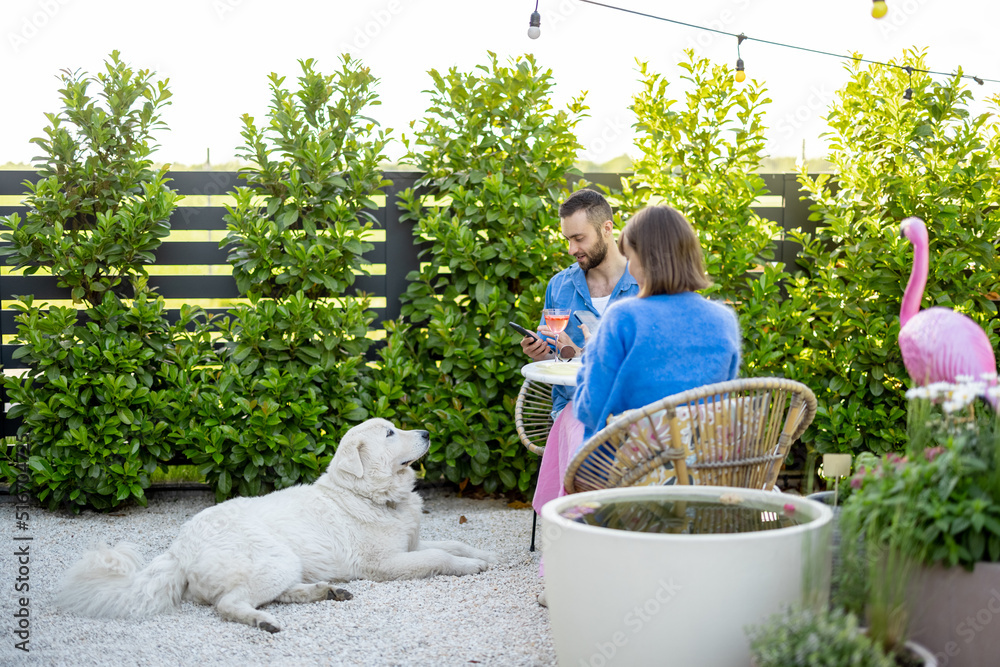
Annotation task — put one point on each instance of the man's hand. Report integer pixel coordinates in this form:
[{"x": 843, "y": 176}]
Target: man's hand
[{"x": 536, "y": 348}]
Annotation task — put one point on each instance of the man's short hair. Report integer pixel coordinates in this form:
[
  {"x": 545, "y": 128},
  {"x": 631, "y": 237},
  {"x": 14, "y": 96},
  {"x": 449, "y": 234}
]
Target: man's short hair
[{"x": 597, "y": 207}]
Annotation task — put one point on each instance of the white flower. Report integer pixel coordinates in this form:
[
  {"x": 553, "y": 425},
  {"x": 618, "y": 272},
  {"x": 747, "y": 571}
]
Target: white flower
[
  {"x": 940, "y": 389},
  {"x": 962, "y": 379}
]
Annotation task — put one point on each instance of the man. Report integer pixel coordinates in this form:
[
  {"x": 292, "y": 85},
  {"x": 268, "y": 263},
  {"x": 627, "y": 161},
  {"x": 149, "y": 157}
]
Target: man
[{"x": 598, "y": 278}]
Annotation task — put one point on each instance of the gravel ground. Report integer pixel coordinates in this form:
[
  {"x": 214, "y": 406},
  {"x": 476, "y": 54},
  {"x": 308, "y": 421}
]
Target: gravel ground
[{"x": 490, "y": 618}]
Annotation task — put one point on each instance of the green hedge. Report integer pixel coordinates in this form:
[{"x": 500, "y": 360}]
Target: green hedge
[{"x": 259, "y": 400}]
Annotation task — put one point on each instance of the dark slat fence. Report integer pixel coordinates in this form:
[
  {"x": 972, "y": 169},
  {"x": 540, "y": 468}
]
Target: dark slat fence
[{"x": 398, "y": 252}]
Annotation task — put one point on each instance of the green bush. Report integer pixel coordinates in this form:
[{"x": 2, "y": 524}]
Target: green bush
[
  {"x": 494, "y": 156},
  {"x": 894, "y": 158},
  {"x": 702, "y": 158},
  {"x": 268, "y": 409},
  {"x": 93, "y": 400},
  {"x": 809, "y": 638}
]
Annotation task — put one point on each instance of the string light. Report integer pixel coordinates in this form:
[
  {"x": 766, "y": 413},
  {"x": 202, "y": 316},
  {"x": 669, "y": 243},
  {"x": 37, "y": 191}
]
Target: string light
[
  {"x": 535, "y": 23},
  {"x": 908, "y": 95},
  {"x": 879, "y": 8},
  {"x": 740, "y": 74},
  {"x": 783, "y": 45}
]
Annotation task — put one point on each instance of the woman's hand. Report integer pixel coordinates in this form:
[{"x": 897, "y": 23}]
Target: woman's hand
[{"x": 565, "y": 341}]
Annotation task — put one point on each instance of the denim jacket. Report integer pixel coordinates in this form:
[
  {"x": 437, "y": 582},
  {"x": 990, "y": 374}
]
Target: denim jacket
[{"x": 568, "y": 289}]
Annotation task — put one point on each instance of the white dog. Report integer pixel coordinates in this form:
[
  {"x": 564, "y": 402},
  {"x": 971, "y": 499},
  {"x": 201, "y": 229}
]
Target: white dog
[{"x": 360, "y": 520}]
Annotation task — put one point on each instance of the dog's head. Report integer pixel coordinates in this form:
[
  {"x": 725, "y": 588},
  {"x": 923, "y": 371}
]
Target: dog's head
[{"x": 374, "y": 458}]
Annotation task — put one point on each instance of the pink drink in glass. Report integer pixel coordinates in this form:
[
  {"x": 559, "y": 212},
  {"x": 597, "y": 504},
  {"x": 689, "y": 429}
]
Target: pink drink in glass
[{"x": 557, "y": 322}]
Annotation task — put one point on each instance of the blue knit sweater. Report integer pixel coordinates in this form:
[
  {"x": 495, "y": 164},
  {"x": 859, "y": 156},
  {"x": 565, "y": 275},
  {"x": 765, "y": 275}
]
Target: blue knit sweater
[{"x": 652, "y": 347}]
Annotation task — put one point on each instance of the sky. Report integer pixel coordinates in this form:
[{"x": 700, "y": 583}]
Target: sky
[{"x": 218, "y": 54}]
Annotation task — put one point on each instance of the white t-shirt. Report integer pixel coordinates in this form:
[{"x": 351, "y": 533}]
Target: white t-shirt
[{"x": 601, "y": 303}]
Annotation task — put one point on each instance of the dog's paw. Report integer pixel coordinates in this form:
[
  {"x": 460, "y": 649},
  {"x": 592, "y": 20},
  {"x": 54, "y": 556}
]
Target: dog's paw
[
  {"x": 270, "y": 627},
  {"x": 489, "y": 557},
  {"x": 471, "y": 566},
  {"x": 338, "y": 594}
]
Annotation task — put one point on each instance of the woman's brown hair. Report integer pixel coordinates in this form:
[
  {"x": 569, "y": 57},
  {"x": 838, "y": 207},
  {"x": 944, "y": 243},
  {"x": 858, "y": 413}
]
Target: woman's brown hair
[{"x": 668, "y": 250}]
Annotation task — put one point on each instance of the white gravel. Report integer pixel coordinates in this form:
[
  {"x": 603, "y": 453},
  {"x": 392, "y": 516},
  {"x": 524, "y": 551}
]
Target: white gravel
[{"x": 490, "y": 618}]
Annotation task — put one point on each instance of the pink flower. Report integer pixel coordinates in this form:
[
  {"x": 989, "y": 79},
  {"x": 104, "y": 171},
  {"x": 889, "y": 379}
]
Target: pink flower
[
  {"x": 932, "y": 453},
  {"x": 856, "y": 481},
  {"x": 789, "y": 508}
]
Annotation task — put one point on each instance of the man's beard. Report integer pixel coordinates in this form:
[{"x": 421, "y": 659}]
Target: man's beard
[{"x": 595, "y": 256}]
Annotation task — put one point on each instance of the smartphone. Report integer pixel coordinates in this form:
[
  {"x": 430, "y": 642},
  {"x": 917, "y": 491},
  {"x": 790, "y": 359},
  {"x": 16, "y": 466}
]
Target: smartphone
[
  {"x": 586, "y": 317},
  {"x": 521, "y": 330}
]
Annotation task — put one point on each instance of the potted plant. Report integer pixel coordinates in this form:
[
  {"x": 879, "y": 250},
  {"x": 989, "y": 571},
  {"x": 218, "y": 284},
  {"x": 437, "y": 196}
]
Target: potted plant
[
  {"x": 817, "y": 638},
  {"x": 636, "y": 574},
  {"x": 920, "y": 532}
]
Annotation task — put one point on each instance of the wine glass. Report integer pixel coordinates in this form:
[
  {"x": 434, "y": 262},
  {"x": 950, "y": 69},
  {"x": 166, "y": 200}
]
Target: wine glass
[{"x": 557, "y": 319}]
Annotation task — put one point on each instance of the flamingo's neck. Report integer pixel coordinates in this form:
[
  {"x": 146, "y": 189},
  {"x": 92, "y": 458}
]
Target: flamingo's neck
[{"x": 915, "y": 287}]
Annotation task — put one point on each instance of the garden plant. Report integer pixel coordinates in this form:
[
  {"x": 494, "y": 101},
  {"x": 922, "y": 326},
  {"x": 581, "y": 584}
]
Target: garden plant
[
  {"x": 930, "y": 157},
  {"x": 939, "y": 504},
  {"x": 268, "y": 410},
  {"x": 94, "y": 400},
  {"x": 494, "y": 155}
]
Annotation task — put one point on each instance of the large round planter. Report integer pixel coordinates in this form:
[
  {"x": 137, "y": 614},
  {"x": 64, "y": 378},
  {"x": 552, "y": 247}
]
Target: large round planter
[
  {"x": 956, "y": 614},
  {"x": 632, "y": 598}
]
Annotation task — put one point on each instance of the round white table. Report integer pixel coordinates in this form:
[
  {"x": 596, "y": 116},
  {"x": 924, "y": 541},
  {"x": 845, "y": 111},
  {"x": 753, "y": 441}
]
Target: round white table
[{"x": 551, "y": 371}]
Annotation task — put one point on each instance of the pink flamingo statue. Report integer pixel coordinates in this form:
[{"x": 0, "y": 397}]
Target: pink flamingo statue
[{"x": 938, "y": 344}]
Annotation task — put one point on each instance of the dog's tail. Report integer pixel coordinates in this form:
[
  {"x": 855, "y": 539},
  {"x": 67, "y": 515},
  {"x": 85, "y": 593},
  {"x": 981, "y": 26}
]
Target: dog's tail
[{"x": 111, "y": 583}]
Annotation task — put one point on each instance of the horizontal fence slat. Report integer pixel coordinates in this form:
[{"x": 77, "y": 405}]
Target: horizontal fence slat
[
  {"x": 204, "y": 182},
  {"x": 198, "y": 217},
  {"x": 208, "y": 253},
  {"x": 169, "y": 287},
  {"x": 12, "y": 182}
]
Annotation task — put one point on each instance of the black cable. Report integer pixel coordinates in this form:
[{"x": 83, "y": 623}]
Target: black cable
[{"x": 743, "y": 37}]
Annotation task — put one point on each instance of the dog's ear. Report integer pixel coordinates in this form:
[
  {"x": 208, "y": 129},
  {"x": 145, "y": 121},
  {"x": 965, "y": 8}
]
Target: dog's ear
[{"x": 348, "y": 457}]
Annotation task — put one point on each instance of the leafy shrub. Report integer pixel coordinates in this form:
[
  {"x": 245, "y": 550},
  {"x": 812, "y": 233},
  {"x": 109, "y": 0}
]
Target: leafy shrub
[
  {"x": 939, "y": 504},
  {"x": 267, "y": 408},
  {"x": 809, "y": 638},
  {"x": 494, "y": 157},
  {"x": 702, "y": 159},
  {"x": 93, "y": 401},
  {"x": 894, "y": 158}
]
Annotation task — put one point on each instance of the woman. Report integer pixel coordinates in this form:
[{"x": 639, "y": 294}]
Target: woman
[{"x": 668, "y": 339}]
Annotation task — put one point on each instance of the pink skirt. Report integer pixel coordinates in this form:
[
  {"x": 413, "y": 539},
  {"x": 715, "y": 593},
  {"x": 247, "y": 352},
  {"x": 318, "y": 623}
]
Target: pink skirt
[{"x": 564, "y": 440}]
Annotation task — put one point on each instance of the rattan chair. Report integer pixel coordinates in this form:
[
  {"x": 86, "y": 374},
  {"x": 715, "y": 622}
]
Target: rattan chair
[
  {"x": 734, "y": 433},
  {"x": 533, "y": 415},
  {"x": 533, "y": 420}
]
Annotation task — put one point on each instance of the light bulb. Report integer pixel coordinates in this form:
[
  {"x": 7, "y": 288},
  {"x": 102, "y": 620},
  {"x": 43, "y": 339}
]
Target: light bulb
[
  {"x": 534, "y": 25},
  {"x": 879, "y": 8},
  {"x": 740, "y": 74},
  {"x": 908, "y": 95}
]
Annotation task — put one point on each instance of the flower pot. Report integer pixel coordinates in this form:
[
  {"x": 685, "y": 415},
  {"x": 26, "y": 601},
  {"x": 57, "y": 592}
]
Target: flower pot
[
  {"x": 635, "y": 598},
  {"x": 923, "y": 654},
  {"x": 956, "y": 614}
]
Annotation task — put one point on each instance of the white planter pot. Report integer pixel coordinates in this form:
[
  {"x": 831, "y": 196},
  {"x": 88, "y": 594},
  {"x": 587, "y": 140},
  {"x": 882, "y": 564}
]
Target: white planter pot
[{"x": 632, "y": 598}]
